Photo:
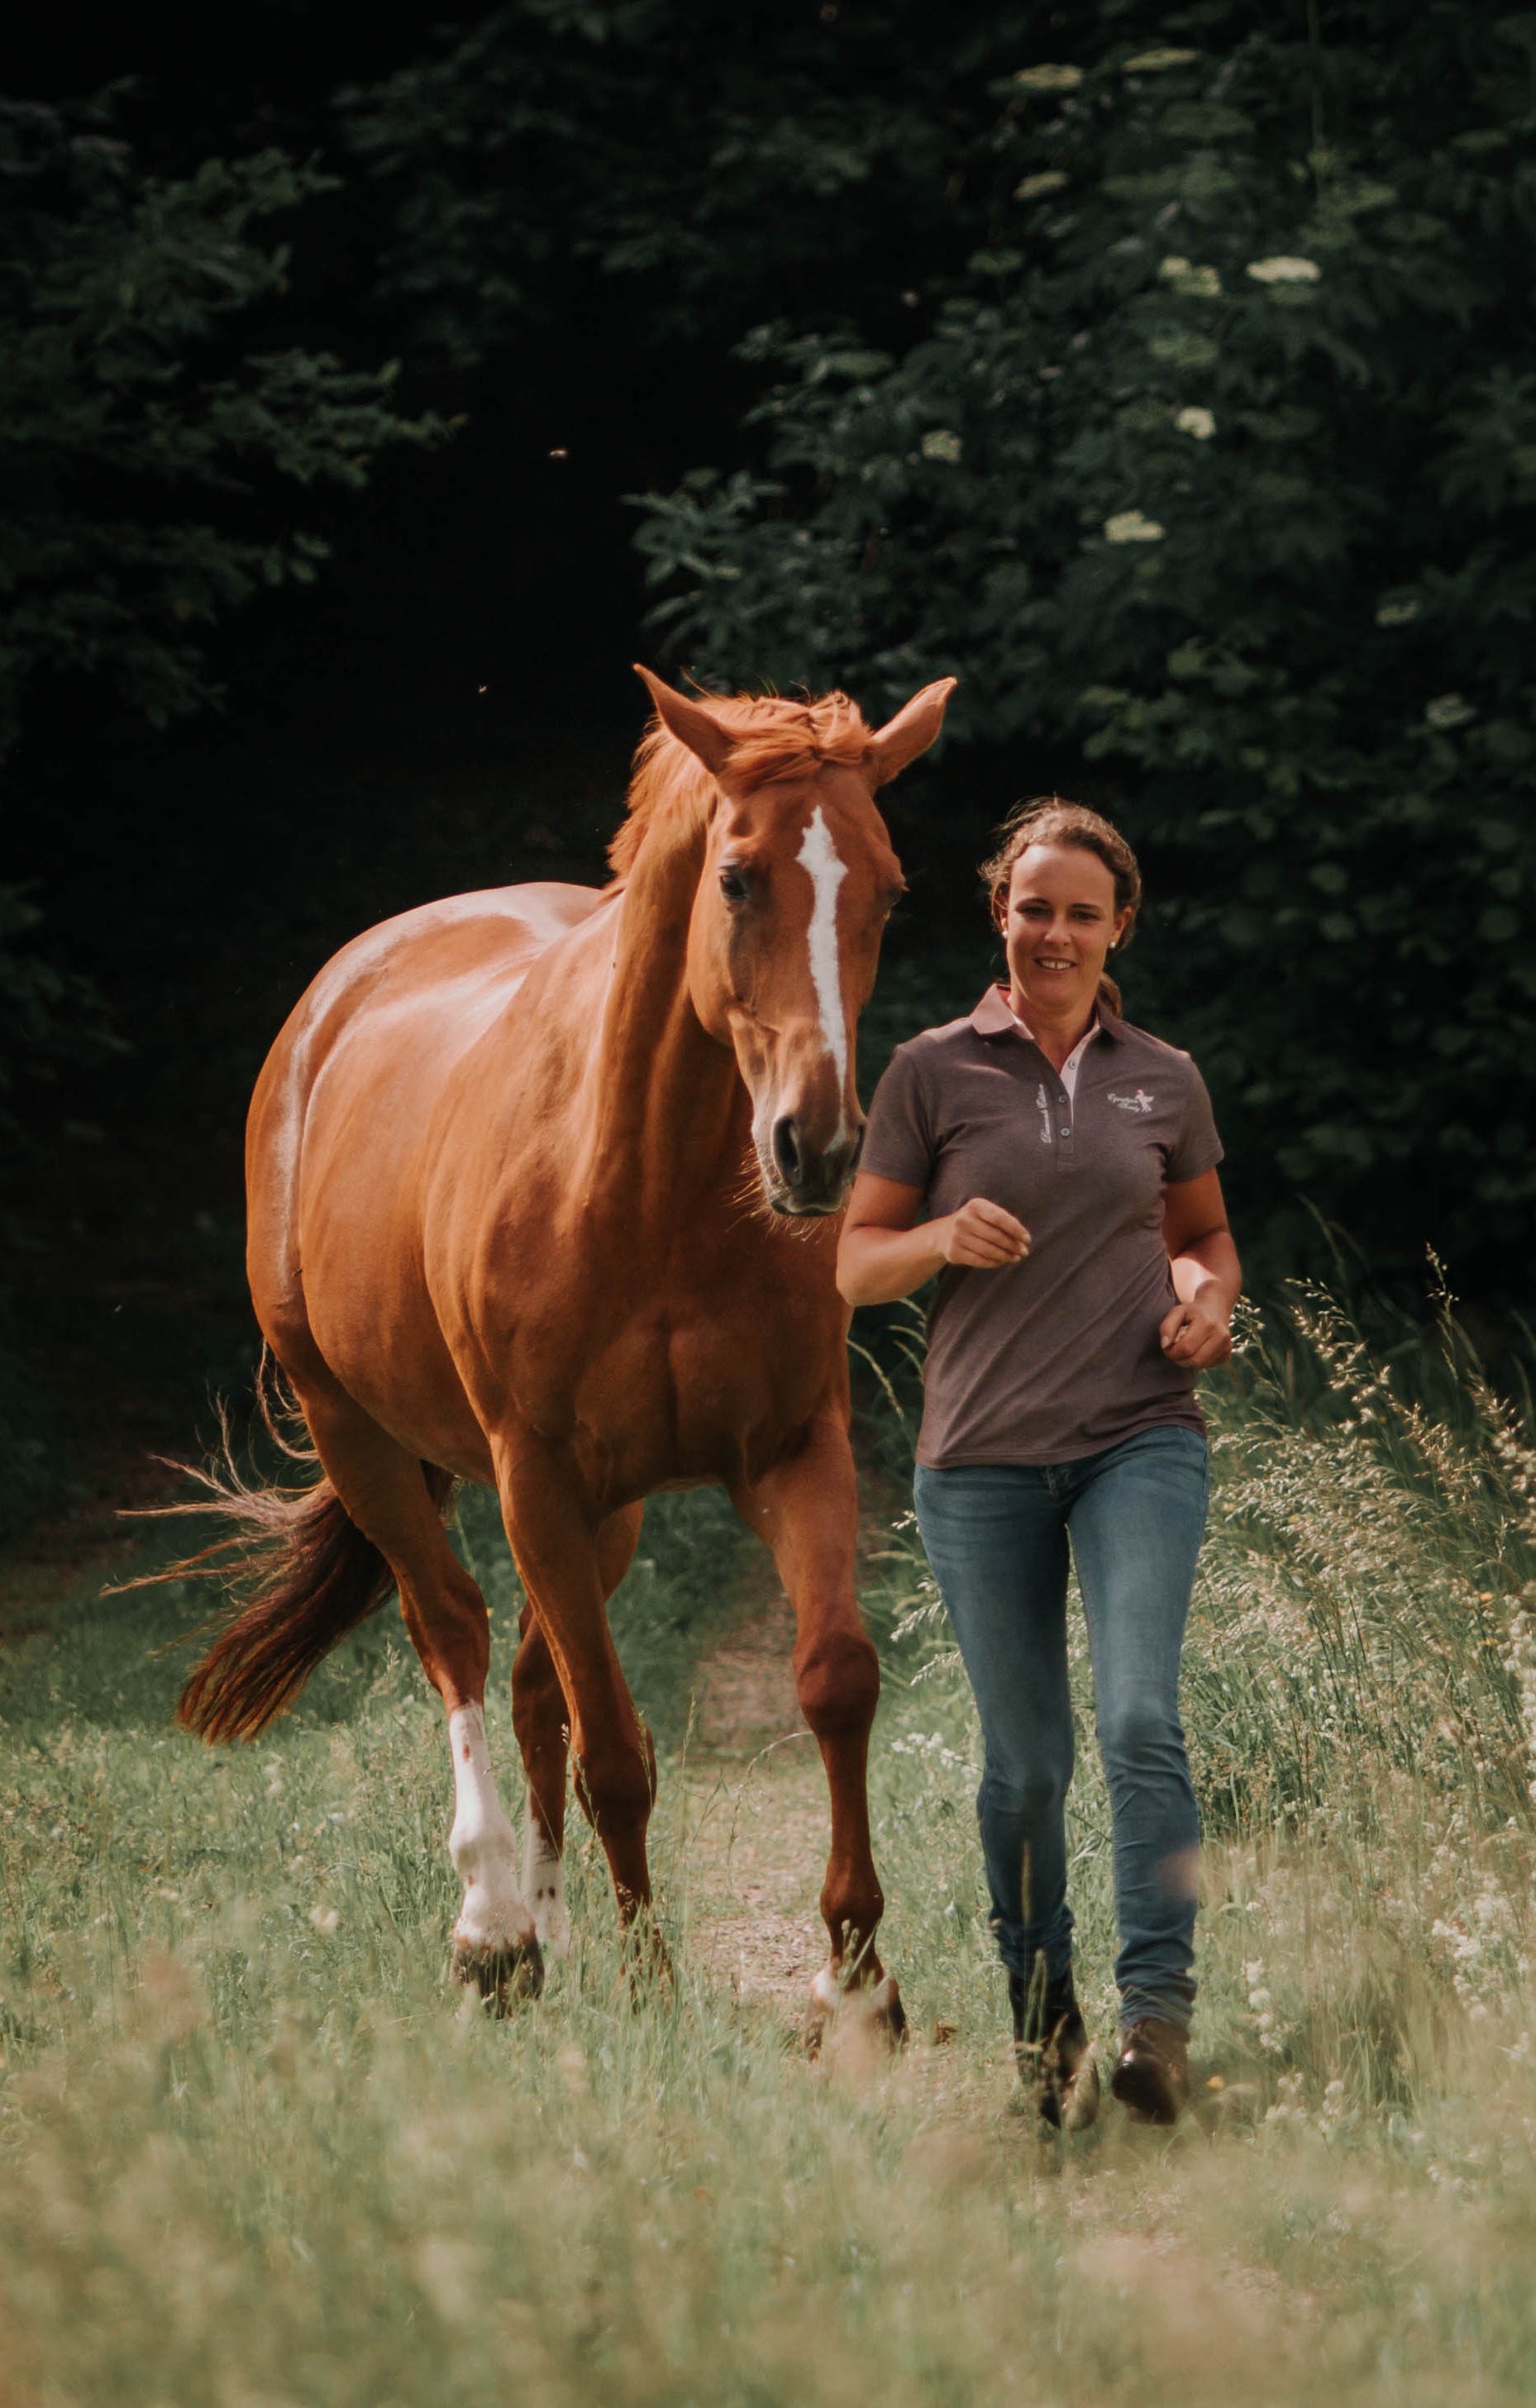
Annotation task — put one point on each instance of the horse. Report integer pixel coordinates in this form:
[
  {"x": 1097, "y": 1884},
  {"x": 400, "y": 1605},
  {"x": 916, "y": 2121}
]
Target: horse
[{"x": 499, "y": 1232}]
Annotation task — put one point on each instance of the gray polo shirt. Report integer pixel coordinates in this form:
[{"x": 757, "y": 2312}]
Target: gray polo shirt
[{"x": 1057, "y": 1356}]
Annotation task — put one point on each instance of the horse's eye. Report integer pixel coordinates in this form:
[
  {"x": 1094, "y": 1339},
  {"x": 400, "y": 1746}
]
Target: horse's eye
[{"x": 733, "y": 883}]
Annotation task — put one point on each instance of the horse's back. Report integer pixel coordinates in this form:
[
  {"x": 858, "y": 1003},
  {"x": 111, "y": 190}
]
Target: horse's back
[{"x": 346, "y": 1091}]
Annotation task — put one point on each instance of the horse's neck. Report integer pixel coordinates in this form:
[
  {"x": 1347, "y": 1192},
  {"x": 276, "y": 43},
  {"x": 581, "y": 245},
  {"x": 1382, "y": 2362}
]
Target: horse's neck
[{"x": 671, "y": 1110}]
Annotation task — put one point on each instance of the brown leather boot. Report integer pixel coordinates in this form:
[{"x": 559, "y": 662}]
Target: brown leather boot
[
  {"x": 1055, "y": 2061},
  {"x": 1152, "y": 2077}
]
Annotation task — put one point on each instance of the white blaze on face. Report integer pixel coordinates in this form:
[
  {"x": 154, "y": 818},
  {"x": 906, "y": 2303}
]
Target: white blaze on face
[
  {"x": 494, "y": 1916},
  {"x": 819, "y": 854}
]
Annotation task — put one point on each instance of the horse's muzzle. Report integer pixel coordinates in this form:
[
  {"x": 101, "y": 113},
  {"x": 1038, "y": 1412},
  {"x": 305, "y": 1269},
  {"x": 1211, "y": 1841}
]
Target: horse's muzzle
[{"x": 803, "y": 1178}]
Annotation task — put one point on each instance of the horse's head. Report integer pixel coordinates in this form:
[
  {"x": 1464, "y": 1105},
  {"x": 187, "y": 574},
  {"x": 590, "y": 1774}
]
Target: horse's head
[{"x": 797, "y": 882}]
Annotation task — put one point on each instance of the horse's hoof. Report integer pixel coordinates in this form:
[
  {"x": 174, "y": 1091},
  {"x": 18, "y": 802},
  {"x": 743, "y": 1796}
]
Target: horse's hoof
[
  {"x": 503, "y": 1976},
  {"x": 874, "y": 2009}
]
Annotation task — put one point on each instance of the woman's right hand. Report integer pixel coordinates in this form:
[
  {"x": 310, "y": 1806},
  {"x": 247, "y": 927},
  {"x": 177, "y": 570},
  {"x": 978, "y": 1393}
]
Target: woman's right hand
[
  {"x": 981, "y": 1236},
  {"x": 885, "y": 1253}
]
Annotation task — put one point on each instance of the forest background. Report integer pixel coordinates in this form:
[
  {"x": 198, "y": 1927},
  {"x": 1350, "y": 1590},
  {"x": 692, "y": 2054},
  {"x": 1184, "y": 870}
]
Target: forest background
[{"x": 375, "y": 393}]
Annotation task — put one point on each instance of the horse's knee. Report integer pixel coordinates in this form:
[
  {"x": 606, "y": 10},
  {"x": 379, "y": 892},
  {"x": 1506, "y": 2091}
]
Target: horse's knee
[
  {"x": 618, "y": 1787},
  {"x": 837, "y": 1679}
]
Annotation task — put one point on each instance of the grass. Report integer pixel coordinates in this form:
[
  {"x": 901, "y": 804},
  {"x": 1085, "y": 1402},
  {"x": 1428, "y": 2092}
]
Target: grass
[{"x": 255, "y": 2150}]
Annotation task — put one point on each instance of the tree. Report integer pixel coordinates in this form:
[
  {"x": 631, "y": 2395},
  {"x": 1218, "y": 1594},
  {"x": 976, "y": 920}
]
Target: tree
[
  {"x": 1212, "y": 460},
  {"x": 713, "y": 163},
  {"x": 118, "y": 401},
  {"x": 116, "y": 291}
]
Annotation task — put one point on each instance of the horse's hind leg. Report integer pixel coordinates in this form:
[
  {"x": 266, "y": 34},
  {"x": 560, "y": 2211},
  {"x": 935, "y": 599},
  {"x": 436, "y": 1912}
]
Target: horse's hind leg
[
  {"x": 543, "y": 1721},
  {"x": 555, "y": 1541},
  {"x": 384, "y": 1492}
]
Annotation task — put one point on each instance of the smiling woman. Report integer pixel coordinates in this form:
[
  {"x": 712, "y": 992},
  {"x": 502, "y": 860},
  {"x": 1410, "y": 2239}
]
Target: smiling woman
[{"x": 1065, "y": 1163}]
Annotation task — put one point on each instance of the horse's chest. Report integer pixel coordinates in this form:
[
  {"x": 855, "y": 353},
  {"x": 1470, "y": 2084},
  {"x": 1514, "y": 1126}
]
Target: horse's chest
[{"x": 675, "y": 1394}]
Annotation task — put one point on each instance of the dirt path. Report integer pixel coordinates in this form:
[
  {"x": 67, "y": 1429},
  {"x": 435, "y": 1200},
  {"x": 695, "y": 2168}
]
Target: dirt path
[{"x": 755, "y": 1802}]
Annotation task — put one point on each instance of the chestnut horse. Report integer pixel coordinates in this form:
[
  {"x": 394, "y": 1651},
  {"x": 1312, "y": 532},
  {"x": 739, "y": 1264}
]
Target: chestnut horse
[{"x": 499, "y": 1232}]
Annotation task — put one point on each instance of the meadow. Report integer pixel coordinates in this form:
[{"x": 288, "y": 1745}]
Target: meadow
[{"x": 254, "y": 2149}]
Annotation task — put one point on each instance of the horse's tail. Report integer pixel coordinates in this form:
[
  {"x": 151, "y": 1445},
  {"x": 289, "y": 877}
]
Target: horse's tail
[{"x": 316, "y": 1577}]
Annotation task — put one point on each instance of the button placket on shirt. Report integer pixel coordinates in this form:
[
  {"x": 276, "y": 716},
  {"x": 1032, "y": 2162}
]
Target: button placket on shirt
[
  {"x": 1062, "y": 1125},
  {"x": 1065, "y": 1124},
  {"x": 1060, "y": 1119}
]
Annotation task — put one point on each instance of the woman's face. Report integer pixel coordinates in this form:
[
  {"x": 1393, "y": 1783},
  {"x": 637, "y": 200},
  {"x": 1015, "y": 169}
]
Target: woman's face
[{"x": 1058, "y": 921}]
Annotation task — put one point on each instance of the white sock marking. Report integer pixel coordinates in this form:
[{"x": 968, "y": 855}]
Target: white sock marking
[
  {"x": 544, "y": 1887},
  {"x": 484, "y": 1852},
  {"x": 827, "y": 872}
]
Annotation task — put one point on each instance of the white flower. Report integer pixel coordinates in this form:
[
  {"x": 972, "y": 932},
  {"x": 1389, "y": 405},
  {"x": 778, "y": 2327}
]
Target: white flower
[
  {"x": 1197, "y": 423},
  {"x": 940, "y": 444},
  {"x": 1448, "y": 711},
  {"x": 1201, "y": 283},
  {"x": 1130, "y": 526},
  {"x": 1049, "y": 79},
  {"x": 1154, "y": 62},
  {"x": 1285, "y": 271},
  {"x": 1049, "y": 180}
]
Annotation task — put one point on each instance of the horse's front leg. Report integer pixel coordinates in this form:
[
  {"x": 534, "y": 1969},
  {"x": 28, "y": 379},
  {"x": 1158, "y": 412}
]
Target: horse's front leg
[
  {"x": 566, "y": 1557},
  {"x": 807, "y": 1509}
]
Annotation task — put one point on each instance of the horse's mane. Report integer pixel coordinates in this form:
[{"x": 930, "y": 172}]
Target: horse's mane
[{"x": 774, "y": 738}]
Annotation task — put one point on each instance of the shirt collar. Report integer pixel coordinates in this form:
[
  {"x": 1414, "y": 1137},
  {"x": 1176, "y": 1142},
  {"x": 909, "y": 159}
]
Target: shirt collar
[{"x": 994, "y": 1017}]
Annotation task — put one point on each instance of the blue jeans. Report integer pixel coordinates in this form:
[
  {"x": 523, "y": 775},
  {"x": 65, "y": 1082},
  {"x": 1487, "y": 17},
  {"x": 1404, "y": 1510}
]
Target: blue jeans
[{"x": 997, "y": 1537}]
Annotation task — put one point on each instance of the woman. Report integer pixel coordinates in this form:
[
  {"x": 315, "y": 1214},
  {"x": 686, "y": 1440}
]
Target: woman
[{"x": 1066, "y": 1165}]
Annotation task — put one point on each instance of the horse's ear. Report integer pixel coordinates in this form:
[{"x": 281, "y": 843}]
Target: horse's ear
[
  {"x": 690, "y": 723},
  {"x": 909, "y": 733}
]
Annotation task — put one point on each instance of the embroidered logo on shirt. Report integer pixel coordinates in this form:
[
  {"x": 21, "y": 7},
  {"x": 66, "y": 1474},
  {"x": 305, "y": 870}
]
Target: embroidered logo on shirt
[
  {"x": 1139, "y": 1102},
  {"x": 1043, "y": 1105}
]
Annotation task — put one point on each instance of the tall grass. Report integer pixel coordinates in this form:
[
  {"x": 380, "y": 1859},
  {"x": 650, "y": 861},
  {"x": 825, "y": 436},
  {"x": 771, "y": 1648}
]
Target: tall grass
[{"x": 254, "y": 2149}]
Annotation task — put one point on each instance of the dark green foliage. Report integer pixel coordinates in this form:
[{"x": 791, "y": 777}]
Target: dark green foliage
[
  {"x": 120, "y": 404},
  {"x": 49, "y": 1015},
  {"x": 732, "y": 160},
  {"x": 137, "y": 452},
  {"x": 1212, "y": 461}
]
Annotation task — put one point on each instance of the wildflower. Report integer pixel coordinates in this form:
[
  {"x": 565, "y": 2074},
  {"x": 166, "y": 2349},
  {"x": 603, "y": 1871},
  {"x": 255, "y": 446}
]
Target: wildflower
[
  {"x": 1195, "y": 282},
  {"x": 1131, "y": 526},
  {"x": 940, "y": 443},
  {"x": 1334, "y": 2113},
  {"x": 1199, "y": 422},
  {"x": 1049, "y": 180},
  {"x": 1285, "y": 271},
  {"x": 1287, "y": 2107},
  {"x": 1261, "y": 2007},
  {"x": 1049, "y": 79}
]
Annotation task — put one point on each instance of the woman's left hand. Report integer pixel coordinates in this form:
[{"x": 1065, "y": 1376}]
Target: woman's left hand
[{"x": 1195, "y": 1336}]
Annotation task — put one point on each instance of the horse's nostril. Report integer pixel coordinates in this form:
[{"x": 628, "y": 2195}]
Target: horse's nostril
[{"x": 786, "y": 1148}]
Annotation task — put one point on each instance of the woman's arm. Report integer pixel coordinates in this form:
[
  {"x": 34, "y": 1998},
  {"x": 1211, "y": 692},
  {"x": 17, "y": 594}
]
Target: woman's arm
[
  {"x": 1207, "y": 1275},
  {"x": 883, "y": 1254}
]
